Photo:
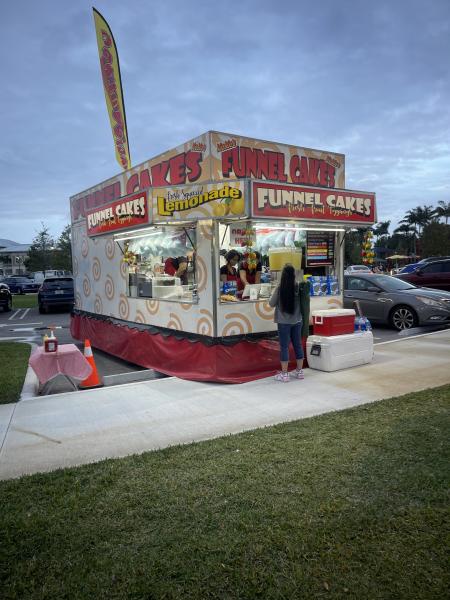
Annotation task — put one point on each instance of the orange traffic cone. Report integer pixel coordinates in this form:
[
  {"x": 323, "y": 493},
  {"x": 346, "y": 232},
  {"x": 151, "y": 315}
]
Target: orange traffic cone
[{"x": 93, "y": 380}]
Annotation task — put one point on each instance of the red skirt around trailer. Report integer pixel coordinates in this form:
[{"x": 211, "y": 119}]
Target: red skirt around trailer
[{"x": 188, "y": 359}]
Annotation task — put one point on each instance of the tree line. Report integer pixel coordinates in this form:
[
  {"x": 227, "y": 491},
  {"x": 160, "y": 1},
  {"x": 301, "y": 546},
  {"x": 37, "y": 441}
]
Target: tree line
[
  {"x": 46, "y": 253},
  {"x": 423, "y": 231}
]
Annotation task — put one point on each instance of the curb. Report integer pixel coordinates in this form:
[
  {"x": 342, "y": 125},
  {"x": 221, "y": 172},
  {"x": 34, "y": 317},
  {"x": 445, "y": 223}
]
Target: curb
[
  {"x": 133, "y": 376},
  {"x": 31, "y": 383}
]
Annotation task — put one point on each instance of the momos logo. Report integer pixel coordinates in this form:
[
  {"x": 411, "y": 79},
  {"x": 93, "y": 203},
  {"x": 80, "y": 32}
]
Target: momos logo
[{"x": 179, "y": 201}]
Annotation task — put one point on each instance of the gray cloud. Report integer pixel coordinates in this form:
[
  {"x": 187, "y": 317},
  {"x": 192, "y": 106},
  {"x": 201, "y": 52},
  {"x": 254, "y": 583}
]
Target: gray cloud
[{"x": 370, "y": 81}]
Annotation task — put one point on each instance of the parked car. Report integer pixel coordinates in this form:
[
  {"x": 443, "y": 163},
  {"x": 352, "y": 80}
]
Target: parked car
[
  {"x": 5, "y": 297},
  {"x": 432, "y": 258},
  {"x": 389, "y": 300},
  {"x": 56, "y": 292},
  {"x": 39, "y": 276},
  {"x": 357, "y": 269},
  {"x": 407, "y": 268},
  {"x": 21, "y": 285},
  {"x": 434, "y": 275}
]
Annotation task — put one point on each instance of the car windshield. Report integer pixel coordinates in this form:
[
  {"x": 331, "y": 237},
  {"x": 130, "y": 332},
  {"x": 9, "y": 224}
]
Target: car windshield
[
  {"x": 359, "y": 268},
  {"x": 391, "y": 284},
  {"x": 65, "y": 283}
]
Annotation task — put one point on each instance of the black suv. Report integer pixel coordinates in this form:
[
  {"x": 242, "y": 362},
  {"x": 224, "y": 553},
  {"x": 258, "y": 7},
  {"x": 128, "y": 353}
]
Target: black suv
[
  {"x": 56, "y": 292},
  {"x": 5, "y": 297},
  {"x": 21, "y": 285}
]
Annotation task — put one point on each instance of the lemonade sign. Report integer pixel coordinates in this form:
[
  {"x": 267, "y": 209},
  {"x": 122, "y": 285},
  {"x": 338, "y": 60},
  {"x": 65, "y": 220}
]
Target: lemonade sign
[{"x": 210, "y": 200}]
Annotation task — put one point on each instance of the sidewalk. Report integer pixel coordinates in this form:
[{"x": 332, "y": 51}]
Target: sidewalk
[{"x": 43, "y": 434}]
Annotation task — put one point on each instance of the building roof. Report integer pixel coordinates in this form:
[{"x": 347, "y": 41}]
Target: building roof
[
  {"x": 15, "y": 249},
  {"x": 4, "y": 243}
]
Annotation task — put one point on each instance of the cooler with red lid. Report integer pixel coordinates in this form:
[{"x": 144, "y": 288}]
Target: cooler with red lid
[
  {"x": 334, "y": 353},
  {"x": 334, "y": 321}
]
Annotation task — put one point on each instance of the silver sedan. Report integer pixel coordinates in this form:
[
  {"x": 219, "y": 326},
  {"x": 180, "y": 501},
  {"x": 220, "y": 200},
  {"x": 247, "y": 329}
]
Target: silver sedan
[{"x": 385, "y": 299}]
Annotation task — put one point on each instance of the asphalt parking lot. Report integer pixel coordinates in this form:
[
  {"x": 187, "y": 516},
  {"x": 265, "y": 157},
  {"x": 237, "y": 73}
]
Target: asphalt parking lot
[{"x": 27, "y": 325}]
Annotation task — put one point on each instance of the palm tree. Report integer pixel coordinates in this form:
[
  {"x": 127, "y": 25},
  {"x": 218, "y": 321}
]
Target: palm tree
[
  {"x": 418, "y": 218},
  {"x": 411, "y": 222},
  {"x": 443, "y": 210},
  {"x": 381, "y": 229},
  {"x": 411, "y": 218},
  {"x": 426, "y": 216},
  {"x": 407, "y": 230}
]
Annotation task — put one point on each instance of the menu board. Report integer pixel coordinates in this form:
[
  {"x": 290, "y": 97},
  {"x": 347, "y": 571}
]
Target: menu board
[{"x": 319, "y": 248}]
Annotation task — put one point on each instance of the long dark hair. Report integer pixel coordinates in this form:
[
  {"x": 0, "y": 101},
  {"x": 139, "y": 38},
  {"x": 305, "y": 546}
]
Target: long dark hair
[
  {"x": 232, "y": 254},
  {"x": 287, "y": 290}
]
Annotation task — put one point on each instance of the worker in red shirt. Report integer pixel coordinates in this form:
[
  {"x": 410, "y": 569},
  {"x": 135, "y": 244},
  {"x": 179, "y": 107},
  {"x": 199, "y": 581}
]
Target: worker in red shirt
[{"x": 177, "y": 267}]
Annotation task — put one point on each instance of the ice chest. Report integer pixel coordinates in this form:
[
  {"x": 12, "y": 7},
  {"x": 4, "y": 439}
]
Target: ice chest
[
  {"x": 332, "y": 353},
  {"x": 337, "y": 321}
]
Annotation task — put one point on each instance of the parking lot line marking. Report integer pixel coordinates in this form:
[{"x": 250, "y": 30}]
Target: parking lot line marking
[
  {"x": 24, "y": 329},
  {"x": 24, "y": 314},
  {"x": 16, "y": 313},
  {"x": 411, "y": 337},
  {"x": 14, "y": 324},
  {"x": 17, "y": 337}
]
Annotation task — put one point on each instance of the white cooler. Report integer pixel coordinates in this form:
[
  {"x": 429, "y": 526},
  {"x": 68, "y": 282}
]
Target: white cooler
[{"x": 332, "y": 353}]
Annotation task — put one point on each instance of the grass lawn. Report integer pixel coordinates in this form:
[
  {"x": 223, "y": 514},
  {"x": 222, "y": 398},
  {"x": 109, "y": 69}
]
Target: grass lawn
[
  {"x": 24, "y": 301},
  {"x": 13, "y": 368},
  {"x": 352, "y": 504}
]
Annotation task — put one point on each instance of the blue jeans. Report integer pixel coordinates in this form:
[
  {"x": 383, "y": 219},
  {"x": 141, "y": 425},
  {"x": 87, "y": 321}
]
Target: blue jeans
[{"x": 293, "y": 333}]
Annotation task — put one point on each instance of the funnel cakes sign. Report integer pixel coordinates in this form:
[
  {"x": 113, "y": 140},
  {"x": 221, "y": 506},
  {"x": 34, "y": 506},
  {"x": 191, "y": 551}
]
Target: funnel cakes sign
[
  {"x": 215, "y": 156},
  {"x": 131, "y": 211},
  {"x": 298, "y": 202}
]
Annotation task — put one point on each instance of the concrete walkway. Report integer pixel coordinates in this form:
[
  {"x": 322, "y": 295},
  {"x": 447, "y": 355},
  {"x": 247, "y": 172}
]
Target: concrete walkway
[{"x": 46, "y": 433}]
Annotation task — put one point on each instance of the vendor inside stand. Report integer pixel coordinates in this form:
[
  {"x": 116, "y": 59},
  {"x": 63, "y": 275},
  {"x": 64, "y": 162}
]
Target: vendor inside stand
[
  {"x": 229, "y": 271},
  {"x": 267, "y": 247},
  {"x": 250, "y": 269},
  {"x": 177, "y": 266},
  {"x": 160, "y": 262}
]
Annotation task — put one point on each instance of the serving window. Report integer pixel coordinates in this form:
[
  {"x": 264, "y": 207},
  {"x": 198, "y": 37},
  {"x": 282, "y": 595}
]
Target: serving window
[
  {"x": 160, "y": 263},
  {"x": 268, "y": 246}
]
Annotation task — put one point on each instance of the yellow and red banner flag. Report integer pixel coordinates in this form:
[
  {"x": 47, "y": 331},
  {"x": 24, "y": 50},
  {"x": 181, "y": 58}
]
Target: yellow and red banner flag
[{"x": 112, "y": 84}]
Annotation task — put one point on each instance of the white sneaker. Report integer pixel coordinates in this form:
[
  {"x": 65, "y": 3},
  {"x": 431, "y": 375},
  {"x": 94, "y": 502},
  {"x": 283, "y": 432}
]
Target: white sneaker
[
  {"x": 284, "y": 377},
  {"x": 298, "y": 374}
]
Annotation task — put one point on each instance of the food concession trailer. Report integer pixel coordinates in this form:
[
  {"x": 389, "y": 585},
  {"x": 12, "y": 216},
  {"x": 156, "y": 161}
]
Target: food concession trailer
[{"x": 215, "y": 193}]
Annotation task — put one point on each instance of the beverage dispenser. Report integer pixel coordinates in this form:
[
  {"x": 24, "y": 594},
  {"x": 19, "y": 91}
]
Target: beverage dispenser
[{"x": 278, "y": 257}]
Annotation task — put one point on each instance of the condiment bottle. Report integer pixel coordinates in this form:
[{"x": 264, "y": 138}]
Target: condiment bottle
[{"x": 51, "y": 345}]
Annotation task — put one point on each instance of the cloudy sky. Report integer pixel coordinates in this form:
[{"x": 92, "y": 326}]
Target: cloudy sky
[{"x": 368, "y": 79}]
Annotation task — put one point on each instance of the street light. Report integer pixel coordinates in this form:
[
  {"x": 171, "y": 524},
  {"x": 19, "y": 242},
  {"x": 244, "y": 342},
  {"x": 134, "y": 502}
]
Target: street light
[{"x": 19, "y": 261}]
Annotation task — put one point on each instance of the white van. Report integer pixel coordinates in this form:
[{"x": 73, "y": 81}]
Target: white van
[{"x": 39, "y": 276}]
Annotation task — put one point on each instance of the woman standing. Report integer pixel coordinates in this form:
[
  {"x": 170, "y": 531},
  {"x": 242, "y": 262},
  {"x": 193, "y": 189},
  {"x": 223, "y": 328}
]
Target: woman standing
[
  {"x": 291, "y": 302},
  {"x": 250, "y": 270},
  {"x": 229, "y": 272}
]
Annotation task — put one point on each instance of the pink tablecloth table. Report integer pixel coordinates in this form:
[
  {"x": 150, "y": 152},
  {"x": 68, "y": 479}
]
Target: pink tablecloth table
[{"x": 67, "y": 361}]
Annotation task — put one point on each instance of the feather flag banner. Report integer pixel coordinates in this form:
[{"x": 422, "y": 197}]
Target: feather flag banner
[{"x": 112, "y": 85}]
